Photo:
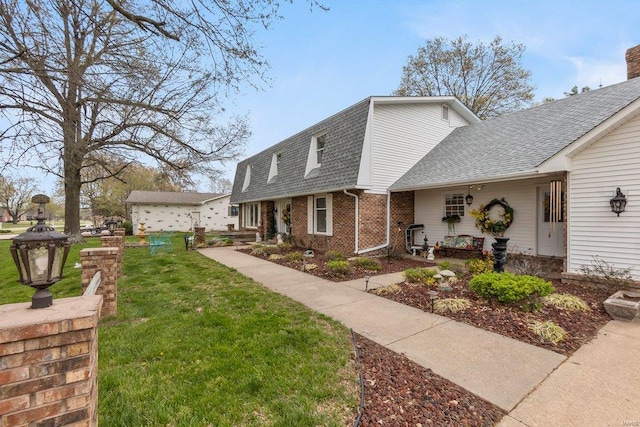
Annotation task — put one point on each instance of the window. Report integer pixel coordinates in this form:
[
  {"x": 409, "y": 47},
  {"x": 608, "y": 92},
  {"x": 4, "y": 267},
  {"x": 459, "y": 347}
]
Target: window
[
  {"x": 233, "y": 211},
  {"x": 445, "y": 112},
  {"x": 252, "y": 215},
  {"x": 454, "y": 204},
  {"x": 320, "y": 149},
  {"x": 320, "y": 214},
  {"x": 247, "y": 178},
  {"x": 275, "y": 165}
]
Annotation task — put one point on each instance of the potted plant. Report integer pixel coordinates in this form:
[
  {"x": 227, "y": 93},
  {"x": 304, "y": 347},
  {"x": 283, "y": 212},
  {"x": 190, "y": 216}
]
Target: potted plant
[{"x": 451, "y": 221}]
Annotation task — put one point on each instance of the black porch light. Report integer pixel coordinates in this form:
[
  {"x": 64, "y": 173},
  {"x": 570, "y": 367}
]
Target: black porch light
[
  {"x": 468, "y": 199},
  {"x": 40, "y": 254},
  {"x": 111, "y": 226},
  {"x": 618, "y": 202}
]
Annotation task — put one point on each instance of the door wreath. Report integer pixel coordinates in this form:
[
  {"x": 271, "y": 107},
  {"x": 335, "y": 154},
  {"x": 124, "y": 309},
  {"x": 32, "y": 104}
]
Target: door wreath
[{"x": 496, "y": 226}]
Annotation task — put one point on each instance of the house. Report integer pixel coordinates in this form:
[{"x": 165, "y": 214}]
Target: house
[
  {"x": 557, "y": 165},
  {"x": 328, "y": 185},
  {"x": 175, "y": 211}
]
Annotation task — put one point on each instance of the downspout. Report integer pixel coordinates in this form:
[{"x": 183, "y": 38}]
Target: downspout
[
  {"x": 386, "y": 244},
  {"x": 357, "y": 218}
]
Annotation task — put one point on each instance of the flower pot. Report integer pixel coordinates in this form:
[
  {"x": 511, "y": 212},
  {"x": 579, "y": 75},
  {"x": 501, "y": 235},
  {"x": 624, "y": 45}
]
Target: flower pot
[{"x": 623, "y": 305}]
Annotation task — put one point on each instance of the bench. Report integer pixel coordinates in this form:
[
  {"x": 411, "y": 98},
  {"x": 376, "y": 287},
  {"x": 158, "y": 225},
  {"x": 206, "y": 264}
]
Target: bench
[
  {"x": 463, "y": 246},
  {"x": 160, "y": 241}
]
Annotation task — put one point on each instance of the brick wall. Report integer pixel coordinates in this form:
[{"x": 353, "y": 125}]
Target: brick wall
[
  {"x": 49, "y": 363},
  {"x": 104, "y": 260},
  {"x": 117, "y": 242},
  {"x": 633, "y": 62}
]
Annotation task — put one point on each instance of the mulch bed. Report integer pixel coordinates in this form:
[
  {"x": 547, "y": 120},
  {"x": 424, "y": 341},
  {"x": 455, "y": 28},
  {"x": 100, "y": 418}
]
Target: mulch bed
[
  {"x": 399, "y": 392},
  {"x": 512, "y": 321}
]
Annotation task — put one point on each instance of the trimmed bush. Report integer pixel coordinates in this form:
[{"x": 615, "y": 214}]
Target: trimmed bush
[
  {"x": 338, "y": 268},
  {"x": 294, "y": 256},
  {"x": 477, "y": 266},
  {"x": 419, "y": 275},
  {"x": 285, "y": 247},
  {"x": 368, "y": 264},
  {"x": 259, "y": 250},
  {"x": 509, "y": 288},
  {"x": 333, "y": 256}
]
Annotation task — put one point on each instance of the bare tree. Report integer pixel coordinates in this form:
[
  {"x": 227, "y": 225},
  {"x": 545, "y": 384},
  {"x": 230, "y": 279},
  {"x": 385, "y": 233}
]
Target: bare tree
[
  {"x": 15, "y": 196},
  {"x": 82, "y": 81},
  {"x": 488, "y": 79}
]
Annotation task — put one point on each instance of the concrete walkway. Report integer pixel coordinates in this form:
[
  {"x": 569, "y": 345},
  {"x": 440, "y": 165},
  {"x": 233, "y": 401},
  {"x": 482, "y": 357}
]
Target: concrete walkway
[{"x": 501, "y": 370}]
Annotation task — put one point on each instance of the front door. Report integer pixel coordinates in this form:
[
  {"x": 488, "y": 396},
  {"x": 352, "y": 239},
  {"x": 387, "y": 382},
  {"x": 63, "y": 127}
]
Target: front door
[
  {"x": 550, "y": 225},
  {"x": 282, "y": 215}
]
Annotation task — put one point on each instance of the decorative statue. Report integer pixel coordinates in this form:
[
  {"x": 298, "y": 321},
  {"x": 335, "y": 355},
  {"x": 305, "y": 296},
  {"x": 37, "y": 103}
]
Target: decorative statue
[{"x": 258, "y": 237}]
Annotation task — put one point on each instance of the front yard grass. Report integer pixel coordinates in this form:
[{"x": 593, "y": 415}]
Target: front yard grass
[{"x": 196, "y": 343}]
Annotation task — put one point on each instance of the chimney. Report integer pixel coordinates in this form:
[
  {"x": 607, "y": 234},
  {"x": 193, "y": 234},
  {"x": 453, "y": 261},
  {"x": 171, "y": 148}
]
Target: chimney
[{"x": 633, "y": 62}]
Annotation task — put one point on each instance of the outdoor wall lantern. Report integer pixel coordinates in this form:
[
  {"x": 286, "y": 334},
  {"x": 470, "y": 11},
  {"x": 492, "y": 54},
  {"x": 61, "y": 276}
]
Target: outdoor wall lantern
[
  {"x": 468, "y": 198},
  {"x": 111, "y": 226},
  {"x": 618, "y": 202},
  {"x": 40, "y": 254}
]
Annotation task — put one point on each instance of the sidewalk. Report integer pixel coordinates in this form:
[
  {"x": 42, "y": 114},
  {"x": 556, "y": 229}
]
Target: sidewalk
[{"x": 501, "y": 370}]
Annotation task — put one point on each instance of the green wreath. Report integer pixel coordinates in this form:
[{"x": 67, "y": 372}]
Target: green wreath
[{"x": 484, "y": 222}]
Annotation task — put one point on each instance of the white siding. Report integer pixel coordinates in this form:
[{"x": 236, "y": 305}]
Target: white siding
[
  {"x": 401, "y": 135},
  {"x": 214, "y": 215},
  {"x": 612, "y": 162},
  {"x": 521, "y": 196}
]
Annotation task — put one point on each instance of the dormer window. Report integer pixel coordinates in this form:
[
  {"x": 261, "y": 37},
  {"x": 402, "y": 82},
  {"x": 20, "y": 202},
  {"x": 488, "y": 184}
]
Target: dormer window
[
  {"x": 320, "y": 149},
  {"x": 316, "y": 153},
  {"x": 275, "y": 164},
  {"x": 247, "y": 178}
]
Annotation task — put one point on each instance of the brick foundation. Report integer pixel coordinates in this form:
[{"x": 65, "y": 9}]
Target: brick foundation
[
  {"x": 49, "y": 363},
  {"x": 104, "y": 260}
]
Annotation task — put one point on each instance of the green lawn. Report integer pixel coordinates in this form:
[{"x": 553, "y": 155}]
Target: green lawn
[{"x": 196, "y": 344}]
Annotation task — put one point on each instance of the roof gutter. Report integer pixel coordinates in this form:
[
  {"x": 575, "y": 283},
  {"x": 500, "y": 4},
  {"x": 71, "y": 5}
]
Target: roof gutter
[
  {"x": 510, "y": 177},
  {"x": 386, "y": 244},
  {"x": 356, "y": 220}
]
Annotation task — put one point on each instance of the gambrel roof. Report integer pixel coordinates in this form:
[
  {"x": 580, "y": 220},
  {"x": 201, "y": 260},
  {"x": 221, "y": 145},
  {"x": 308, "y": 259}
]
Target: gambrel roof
[
  {"x": 343, "y": 152},
  {"x": 171, "y": 198},
  {"x": 516, "y": 144}
]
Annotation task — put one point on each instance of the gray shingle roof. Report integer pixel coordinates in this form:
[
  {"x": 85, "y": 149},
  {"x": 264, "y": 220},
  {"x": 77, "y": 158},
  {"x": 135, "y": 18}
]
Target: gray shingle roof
[
  {"x": 340, "y": 165},
  {"x": 170, "y": 198},
  {"x": 517, "y": 142}
]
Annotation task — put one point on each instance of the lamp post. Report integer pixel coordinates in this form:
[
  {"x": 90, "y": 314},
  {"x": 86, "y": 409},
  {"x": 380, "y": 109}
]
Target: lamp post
[
  {"x": 111, "y": 226},
  {"x": 39, "y": 254}
]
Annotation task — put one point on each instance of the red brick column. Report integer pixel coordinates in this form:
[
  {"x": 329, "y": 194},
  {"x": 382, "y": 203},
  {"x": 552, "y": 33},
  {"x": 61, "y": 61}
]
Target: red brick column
[
  {"x": 115, "y": 242},
  {"x": 104, "y": 260},
  {"x": 49, "y": 363}
]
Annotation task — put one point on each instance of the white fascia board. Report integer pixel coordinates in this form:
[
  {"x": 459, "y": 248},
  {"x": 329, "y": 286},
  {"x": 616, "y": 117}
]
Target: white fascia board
[
  {"x": 511, "y": 177},
  {"x": 561, "y": 161}
]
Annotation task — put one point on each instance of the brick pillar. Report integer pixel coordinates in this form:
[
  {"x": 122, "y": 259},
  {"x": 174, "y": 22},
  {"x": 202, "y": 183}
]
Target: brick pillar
[
  {"x": 49, "y": 363},
  {"x": 200, "y": 239},
  {"x": 104, "y": 260},
  {"x": 115, "y": 242}
]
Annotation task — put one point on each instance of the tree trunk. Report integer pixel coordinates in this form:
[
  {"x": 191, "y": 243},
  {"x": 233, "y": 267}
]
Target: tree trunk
[{"x": 72, "y": 203}]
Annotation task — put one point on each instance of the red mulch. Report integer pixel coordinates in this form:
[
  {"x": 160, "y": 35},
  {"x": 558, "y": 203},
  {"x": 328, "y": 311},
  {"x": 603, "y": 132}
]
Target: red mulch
[{"x": 399, "y": 392}]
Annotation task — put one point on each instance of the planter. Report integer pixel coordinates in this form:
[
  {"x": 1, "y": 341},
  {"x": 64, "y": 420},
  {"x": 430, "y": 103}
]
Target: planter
[
  {"x": 623, "y": 305},
  {"x": 499, "y": 254}
]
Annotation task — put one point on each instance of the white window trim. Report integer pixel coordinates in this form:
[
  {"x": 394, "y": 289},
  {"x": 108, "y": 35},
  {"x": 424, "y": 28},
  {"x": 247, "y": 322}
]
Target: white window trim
[
  {"x": 312, "y": 157},
  {"x": 246, "y": 215},
  {"x": 311, "y": 215},
  {"x": 461, "y": 205},
  {"x": 247, "y": 178},
  {"x": 445, "y": 112}
]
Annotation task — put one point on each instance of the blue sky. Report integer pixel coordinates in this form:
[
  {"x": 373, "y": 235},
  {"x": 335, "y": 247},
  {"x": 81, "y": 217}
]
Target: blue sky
[{"x": 323, "y": 62}]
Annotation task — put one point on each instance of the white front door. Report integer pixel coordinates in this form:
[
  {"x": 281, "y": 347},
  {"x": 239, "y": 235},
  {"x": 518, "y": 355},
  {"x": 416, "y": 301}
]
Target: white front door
[
  {"x": 282, "y": 206},
  {"x": 550, "y": 234}
]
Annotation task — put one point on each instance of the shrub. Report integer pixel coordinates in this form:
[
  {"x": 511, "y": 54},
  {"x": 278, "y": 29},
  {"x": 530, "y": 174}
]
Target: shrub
[
  {"x": 338, "y": 268},
  {"x": 275, "y": 257},
  {"x": 510, "y": 288},
  {"x": 451, "y": 305},
  {"x": 419, "y": 274},
  {"x": 309, "y": 267},
  {"x": 271, "y": 249},
  {"x": 478, "y": 266},
  {"x": 368, "y": 264},
  {"x": 548, "y": 331},
  {"x": 128, "y": 228},
  {"x": 294, "y": 256},
  {"x": 260, "y": 250},
  {"x": 445, "y": 265},
  {"x": 334, "y": 256},
  {"x": 387, "y": 290},
  {"x": 285, "y": 247},
  {"x": 566, "y": 301},
  {"x": 601, "y": 271}
]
